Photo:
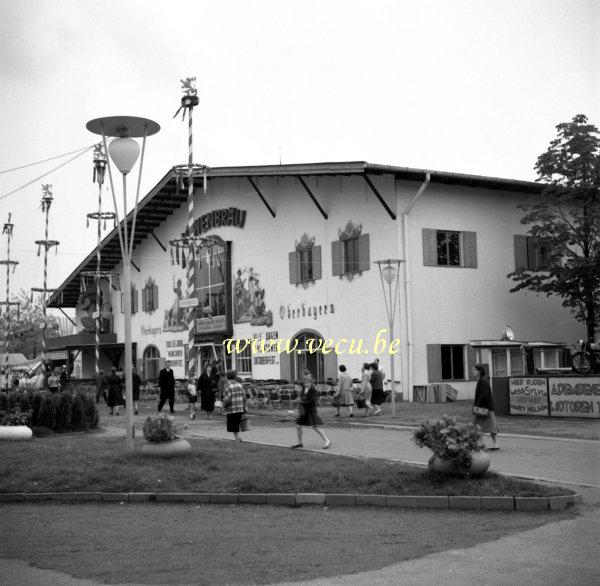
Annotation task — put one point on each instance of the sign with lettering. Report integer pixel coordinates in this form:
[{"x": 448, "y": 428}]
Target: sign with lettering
[
  {"x": 575, "y": 397},
  {"x": 219, "y": 218},
  {"x": 211, "y": 324},
  {"x": 192, "y": 302},
  {"x": 304, "y": 310},
  {"x": 265, "y": 360},
  {"x": 528, "y": 396}
]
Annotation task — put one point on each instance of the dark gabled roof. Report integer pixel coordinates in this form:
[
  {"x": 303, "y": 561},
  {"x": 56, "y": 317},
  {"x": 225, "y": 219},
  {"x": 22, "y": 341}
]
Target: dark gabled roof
[{"x": 166, "y": 197}]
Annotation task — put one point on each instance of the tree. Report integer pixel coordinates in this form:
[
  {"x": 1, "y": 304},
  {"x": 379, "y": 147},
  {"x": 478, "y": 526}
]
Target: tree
[
  {"x": 23, "y": 325},
  {"x": 565, "y": 216}
]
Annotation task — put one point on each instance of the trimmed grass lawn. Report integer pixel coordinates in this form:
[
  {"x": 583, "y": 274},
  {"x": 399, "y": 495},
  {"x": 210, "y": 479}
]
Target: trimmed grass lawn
[{"x": 89, "y": 463}]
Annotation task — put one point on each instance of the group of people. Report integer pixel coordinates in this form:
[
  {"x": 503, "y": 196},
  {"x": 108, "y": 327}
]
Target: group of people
[
  {"x": 224, "y": 388},
  {"x": 111, "y": 387},
  {"x": 369, "y": 396}
]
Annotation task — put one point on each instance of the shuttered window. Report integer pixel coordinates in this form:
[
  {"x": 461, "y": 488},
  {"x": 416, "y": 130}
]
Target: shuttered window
[
  {"x": 532, "y": 254},
  {"x": 446, "y": 362},
  {"x": 150, "y": 298},
  {"x": 449, "y": 248},
  {"x": 134, "y": 301},
  {"x": 350, "y": 255},
  {"x": 305, "y": 265}
]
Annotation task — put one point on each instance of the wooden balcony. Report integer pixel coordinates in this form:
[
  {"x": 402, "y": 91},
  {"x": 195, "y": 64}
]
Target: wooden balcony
[{"x": 79, "y": 340}]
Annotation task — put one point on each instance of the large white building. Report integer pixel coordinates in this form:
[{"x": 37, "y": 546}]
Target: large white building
[{"x": 293, "y": 259}]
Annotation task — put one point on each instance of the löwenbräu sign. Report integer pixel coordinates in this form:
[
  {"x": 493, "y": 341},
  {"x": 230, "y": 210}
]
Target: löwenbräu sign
[{"x": 219, "y": 218}]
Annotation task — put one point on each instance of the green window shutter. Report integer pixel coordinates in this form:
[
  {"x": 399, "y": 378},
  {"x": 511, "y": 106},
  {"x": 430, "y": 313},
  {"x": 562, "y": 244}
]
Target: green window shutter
[
  {"x": 145, "y": 299},
  {"x": 337, "y": 268},
  {"x": 429, "y": 247},
  {"x": 470, "y": 362},
  {"x": 155, "y": 297},
  {"x": 294, "y": 261},
  {"x": 469, "y": 249},
  {"x": 532, "y": 254},
  {"x": 317, "y": 268},
  {"x": 134, "y": 301},
  {"x": 122, "y": 303},
  {"x": 434, "y": 363},
  {"x": 520, "y": 252},
  {"x": 364, "y": 259}
]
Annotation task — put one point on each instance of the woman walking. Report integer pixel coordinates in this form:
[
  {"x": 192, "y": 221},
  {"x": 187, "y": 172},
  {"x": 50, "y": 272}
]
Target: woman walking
[
  {"x": 483, "y": 406},
  {"x": 136, "y": 383},
  {"x": 115, "y": 391},
  {"x": 377, "y": 394},
  {"x": 308, "y": 412},
  {"x": 365, "y": 387},
  {"x": 207, "y": 396},
  {"x": 234, "y": 403},
  {"x": 344, "y": 392}
]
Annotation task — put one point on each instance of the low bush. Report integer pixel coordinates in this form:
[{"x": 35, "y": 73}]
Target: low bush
[
  {"x": 62, "y": 405},
  {"x": 77, "y": 419},
  {"x": 47, "y": 414},
  {"x": 159, "y": 429},
  {"x": 3, "y": 401},
  {"x": 15, "y": 419}
]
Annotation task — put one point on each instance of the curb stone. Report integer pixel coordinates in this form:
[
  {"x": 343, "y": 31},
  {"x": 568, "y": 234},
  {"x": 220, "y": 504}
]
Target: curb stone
[{"x": 505, "y": 503}]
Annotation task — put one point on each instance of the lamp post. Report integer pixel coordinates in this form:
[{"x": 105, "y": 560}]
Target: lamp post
[
  {"x": 124, "y": 152},
  {"x": 388, "y": 272}
]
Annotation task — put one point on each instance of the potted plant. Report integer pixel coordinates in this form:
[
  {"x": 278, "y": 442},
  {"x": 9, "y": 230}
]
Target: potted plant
[
  {"x": 14, "y": 426},
  {"x": 457, "y": 447},
  {"x": 162, "y": 439}
]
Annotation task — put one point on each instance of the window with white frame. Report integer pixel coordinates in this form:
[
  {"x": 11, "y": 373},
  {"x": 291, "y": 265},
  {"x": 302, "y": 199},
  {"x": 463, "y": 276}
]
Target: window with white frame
[{"x": 243, "y": 360}]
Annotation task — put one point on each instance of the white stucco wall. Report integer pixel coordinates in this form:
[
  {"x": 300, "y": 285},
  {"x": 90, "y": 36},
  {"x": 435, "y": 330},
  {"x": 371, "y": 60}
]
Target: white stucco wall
[{"x": 450, "y": 305}]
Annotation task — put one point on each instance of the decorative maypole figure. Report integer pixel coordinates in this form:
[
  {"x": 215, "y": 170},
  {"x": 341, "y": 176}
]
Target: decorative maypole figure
[
  {"x": 188, "y": 241},
  {"x": 100, "y": 217},
  {"x": 8, "y": 230},
  {"x": 46, "y": 244}
]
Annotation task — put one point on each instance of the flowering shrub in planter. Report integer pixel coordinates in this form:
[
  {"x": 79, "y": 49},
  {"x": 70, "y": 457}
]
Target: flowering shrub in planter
[
  {"x": 450, "y": 440},
  {"x": 159, "y": 429},
  {"x": 14, "y": 419}
]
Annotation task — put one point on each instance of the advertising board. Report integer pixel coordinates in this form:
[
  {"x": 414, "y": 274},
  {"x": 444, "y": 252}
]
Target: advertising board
[
  {"x": 575, "y": 397},
  {"x": 528, "y": 396}
]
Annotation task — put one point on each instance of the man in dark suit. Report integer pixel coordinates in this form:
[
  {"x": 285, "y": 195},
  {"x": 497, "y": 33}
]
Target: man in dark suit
[{"x": 166, "y": 384}]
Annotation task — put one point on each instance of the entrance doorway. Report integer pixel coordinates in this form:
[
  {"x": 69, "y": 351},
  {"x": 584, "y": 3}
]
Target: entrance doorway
[
  {"x": 303, "y": 359},
  {"x": 151, "y": 362}
]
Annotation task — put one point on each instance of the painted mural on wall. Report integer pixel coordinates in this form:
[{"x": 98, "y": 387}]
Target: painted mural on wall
[
  {"x": 249, "y": 299},
  {"x": 176, "y": 316}
]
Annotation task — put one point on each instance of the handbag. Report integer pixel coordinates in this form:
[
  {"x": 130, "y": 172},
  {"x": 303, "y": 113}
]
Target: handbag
[
  {"x": 245, "y": 423},
  {"x": 481, "y": 411},
  {"x": 360, "y": 403},
  {"x": 218, "y": 404},
  {"x": 335, "y": 401}
]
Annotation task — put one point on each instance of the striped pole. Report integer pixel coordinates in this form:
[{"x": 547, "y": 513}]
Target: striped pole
[
  {"x": 8, "y": 231},
  {"x": 46, "y": 203},
  {"x": 191, "y": 268}
]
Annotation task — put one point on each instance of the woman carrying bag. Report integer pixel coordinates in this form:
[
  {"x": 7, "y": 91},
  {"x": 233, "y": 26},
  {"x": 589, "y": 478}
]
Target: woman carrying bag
[{"x": 483, "y": 407}]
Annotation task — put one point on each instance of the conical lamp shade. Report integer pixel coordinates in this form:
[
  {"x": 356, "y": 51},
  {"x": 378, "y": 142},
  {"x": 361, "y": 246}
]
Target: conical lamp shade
[
  {"x": 124, "y": 152},
  {"x": 389, "y": 273}
]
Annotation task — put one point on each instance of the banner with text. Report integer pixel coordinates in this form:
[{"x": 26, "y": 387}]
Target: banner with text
[
  {"x": 528, "y": 396},
  {"x": 575, "y": 397}
]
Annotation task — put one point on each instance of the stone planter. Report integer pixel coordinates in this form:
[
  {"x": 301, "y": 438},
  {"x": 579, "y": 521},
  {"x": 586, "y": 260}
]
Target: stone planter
[
  {"x": 481, "y": 462},
  {"x": 174, "y": 447},
  {"x": 15, "y": 432}
]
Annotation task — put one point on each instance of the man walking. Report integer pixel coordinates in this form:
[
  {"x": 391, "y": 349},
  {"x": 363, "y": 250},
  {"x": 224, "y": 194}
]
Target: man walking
[
  {"x": 166, "y": 384},
  {"x": 101, "y": 386}
]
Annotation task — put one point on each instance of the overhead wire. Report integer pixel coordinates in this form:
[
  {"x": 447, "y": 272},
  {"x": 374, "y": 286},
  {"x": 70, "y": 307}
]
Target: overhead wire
[
  {"x": 45, "y": 174},
  {"x": 44, "y": 161}
]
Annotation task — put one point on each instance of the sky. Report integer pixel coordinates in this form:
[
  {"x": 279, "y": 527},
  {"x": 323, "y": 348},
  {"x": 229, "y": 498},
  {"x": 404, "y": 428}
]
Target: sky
[{"x": 463, "y": 86}]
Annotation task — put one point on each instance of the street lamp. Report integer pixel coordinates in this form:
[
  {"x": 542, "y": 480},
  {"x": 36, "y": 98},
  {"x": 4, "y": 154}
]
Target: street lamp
[
  {"x": 124, "y": 151},
  {"x": 388, "y": 271}
]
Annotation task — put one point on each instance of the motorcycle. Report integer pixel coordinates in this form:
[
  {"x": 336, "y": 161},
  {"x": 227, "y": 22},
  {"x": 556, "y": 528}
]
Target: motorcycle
[{"x": 587, "y": 359}]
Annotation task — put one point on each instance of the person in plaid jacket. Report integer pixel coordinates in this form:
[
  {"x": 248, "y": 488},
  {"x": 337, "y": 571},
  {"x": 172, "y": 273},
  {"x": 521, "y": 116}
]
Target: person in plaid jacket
[{"x": 234, "y": 403}]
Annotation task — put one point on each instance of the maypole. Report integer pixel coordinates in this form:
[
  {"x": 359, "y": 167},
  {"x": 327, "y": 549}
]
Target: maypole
[
  {"x": 8, "y": 229},
  {"x": 46, "y": 244},
  {"x": 188, "y": 240},
  {"x": 99, "y": 216}
]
